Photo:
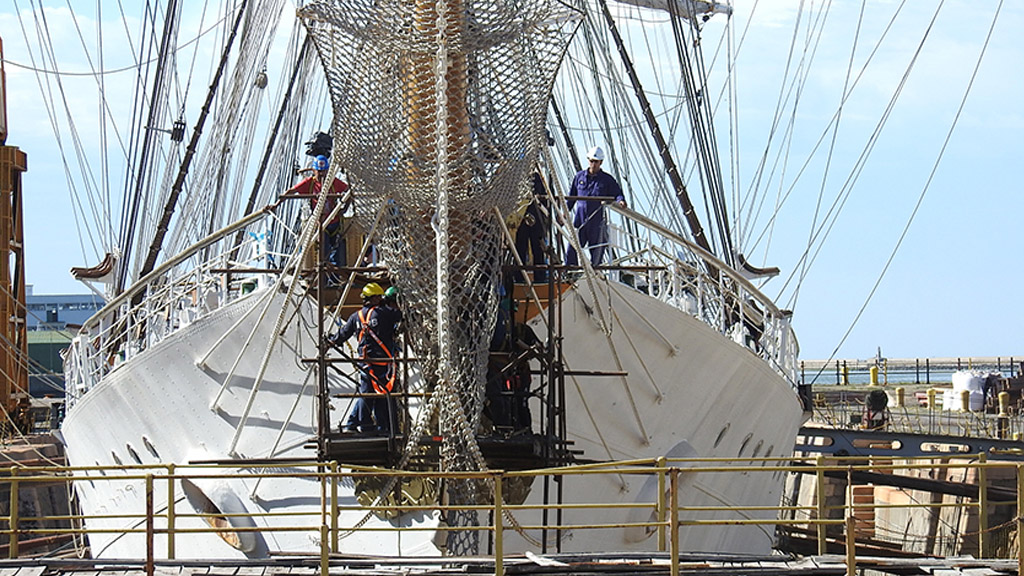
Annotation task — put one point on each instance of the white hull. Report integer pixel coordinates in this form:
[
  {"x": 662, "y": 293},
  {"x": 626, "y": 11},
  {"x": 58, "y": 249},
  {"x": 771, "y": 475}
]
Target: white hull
[
  {"x": 696, "y": 395},
  {"x": 161, "y": 398},
  {"x": 696, "y": 392}
]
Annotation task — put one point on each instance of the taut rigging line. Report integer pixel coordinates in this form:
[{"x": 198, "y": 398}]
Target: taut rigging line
[{"x": 179, "y": 182}]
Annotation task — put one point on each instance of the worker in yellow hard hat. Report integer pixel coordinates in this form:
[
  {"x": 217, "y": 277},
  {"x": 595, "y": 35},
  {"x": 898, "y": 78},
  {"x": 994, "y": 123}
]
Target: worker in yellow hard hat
[{"x": 376, "y": 325}]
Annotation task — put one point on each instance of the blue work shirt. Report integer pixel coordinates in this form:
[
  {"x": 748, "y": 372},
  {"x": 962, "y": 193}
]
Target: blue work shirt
[{"x": 587, "y": 184}]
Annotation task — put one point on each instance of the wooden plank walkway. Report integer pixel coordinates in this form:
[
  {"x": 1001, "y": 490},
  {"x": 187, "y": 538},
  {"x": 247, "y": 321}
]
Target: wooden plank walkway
[{"x": 606, "y": 564}]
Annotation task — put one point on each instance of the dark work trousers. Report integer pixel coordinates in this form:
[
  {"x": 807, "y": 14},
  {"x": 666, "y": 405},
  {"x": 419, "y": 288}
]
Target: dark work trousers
[
  {"x": 594, "y": 234},
  {"x": 372, "y": 413}
]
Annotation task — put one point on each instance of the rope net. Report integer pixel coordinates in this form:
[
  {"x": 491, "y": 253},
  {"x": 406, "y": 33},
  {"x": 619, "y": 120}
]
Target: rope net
[{"x": 439, "y": 115}]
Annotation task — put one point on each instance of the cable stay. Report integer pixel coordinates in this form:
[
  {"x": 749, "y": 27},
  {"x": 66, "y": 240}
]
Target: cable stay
[
  {"x": 179, "y": 182},
  {"x": 130, "y": 216},
  {"x": 662, "y": 146}
]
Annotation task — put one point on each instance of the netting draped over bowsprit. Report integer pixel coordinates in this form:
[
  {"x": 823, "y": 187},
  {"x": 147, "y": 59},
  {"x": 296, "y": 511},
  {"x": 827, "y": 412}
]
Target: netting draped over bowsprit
[{"x": 439, "y": 114}]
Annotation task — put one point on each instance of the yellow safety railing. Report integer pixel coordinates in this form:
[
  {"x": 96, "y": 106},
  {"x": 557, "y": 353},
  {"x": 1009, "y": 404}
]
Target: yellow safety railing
[{"x": 672, "y": 509}]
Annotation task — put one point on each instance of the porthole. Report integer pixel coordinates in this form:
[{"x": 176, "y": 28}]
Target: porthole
[
  {"x": 149, "y": 446},
  {"x": 743, "y": 445},
  {"x": 721, "y": 435},
  {"x": 757, "y": 448},
  {"x": 116, "y": 459},
  {"x": 133, "y": 454}
]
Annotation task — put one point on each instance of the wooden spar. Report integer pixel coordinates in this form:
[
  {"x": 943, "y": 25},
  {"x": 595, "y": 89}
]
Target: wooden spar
[{"x": 420, "y": 88}]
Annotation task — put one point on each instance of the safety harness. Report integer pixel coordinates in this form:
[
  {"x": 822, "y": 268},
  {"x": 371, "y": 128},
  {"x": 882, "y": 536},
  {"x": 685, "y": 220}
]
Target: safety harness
[{"x": 379, "y": 387}]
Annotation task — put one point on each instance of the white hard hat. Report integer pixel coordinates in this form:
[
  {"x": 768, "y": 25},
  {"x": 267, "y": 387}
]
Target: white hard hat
[{"x": 596, "y": 153}]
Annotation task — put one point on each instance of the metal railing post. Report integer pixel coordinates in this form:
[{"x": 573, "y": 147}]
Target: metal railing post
[
  {"x": 321, "y": 473},
  {"x": 12, "y": 551},
  {"x": 851, "y": 546},
  {"x": 325, "y": 556},
  {"x": 820, "y": 496},
  {"x": 499, "y": 547},
  {"x": 150, "y": 528},
  {"x": 334, "y": 506},
  {"x": 851, "y": 526},
  {"x": 983, "y": 551},
  {"x": 673, "y": 528},
  {"x": 325, "y": 543},
  {"x": 170, "y": 511},
  {"x": 1020, "y": 518},
  {"x": 662, "y": 462}
]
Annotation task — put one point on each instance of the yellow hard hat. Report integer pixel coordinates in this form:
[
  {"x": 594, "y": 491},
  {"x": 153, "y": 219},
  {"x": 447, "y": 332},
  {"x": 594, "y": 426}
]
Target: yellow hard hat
[{"x": 372, "y": 289}]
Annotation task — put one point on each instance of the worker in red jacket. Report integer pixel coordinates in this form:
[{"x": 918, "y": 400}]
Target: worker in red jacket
[{"x": 332, "y": 246}]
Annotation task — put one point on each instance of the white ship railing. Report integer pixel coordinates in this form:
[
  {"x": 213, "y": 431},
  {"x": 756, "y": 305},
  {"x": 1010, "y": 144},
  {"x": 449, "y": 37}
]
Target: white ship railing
[
  {"x": 214, "y": 272},
  {"x": 653, "y": 259},
  {"x": 202, "y": 278}
]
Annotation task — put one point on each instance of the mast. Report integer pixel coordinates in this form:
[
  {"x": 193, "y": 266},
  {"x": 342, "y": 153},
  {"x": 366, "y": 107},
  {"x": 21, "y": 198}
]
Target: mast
[{"x": 128, "y": 224}]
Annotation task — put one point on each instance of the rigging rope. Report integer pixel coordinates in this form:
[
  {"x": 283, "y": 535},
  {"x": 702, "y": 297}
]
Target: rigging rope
[
  {"x": 831, "y": 149},
  {"x": 794, "y": 93},
  {"x": 48, "y": 52},
  {"x": 927, "y": 185},
  {"x": 847, "y": 188},
  {"x": 825, "y": 131},
  {"x": 137, "y": 66}
]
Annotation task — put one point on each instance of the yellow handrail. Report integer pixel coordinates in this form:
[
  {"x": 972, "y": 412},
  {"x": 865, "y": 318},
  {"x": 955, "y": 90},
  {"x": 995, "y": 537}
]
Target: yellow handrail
[{"x": 673, "y": 510}]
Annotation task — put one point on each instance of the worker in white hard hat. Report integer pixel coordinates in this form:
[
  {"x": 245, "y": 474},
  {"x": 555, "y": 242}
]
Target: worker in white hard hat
[{"x": 588, "y": 215}]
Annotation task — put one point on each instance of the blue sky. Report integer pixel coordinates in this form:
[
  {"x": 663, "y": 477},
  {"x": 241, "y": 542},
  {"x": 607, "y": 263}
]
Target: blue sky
[{"x": 953, "y": 286}]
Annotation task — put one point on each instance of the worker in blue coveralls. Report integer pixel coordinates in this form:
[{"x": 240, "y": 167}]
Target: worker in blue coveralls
[
  {"x": 588, "y": 215},
  {"x": 376, "y": 324}
]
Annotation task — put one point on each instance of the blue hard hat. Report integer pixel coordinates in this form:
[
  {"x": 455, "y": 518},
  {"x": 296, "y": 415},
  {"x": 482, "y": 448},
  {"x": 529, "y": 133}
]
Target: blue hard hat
[{"x": 320, "y": 163}]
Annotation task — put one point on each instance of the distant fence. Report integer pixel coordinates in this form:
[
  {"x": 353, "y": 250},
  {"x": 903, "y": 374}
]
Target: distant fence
[{"x": 903, "y": 370}]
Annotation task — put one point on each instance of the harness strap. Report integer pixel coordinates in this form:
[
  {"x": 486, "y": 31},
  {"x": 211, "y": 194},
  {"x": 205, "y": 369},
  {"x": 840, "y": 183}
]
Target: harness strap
[{"x": 385, "y": 387}]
